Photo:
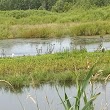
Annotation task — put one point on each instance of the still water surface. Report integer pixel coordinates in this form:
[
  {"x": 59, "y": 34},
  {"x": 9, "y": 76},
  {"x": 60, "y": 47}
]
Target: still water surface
[
  {"x": 20, "y": 47},
  {"x": 47, "y": 93}
]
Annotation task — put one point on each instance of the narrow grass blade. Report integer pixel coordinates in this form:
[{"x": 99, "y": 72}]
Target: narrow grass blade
[
  {"x": 67, "y": 101},
  {"x": 77, "y": 103},
  {"x": 87, "y": 79},
  {"x": 85, "y": 98},
  {"x": 48, "y": 102},
  {"x": 90, "y": 101},
  {"x": 61, "y": 99},
  {"x": 14, "y": 91},
  {"x": 71, "y": 108}
]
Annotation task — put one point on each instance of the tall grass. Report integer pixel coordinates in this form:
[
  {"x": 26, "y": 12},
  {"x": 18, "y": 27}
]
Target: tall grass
[
  {"x": 41, "y": 23},
  {"x": 81, "y": 93},
  {"x": 55, "y": 30}
]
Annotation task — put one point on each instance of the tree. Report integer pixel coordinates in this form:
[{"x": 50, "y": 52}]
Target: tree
[{"x": 58, "y": 7}]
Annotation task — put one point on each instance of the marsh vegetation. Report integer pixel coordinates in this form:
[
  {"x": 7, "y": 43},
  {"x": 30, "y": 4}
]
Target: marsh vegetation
[
  {"x": 58, "y": 67},
  {"x": 56, "y": 19},
  {"x": 45, "y": 24}
]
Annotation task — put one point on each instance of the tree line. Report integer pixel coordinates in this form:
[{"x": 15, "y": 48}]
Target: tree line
[{"x": 51, "y": 5}]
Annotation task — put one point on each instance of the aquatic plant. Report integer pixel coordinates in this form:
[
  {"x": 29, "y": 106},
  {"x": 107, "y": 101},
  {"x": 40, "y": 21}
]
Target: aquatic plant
[{"x": 81, "y": 93}]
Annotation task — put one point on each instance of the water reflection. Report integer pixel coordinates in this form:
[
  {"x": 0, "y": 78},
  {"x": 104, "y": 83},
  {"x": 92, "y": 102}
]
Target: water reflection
[
  {"x": 9, "y": 100},
  {"x": 20, "y": 47}
]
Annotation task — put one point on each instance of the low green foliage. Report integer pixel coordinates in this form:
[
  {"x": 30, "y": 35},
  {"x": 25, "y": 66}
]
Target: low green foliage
[
  {"x": 60, "y": 67},
  {"x": 42, "y": 23}
]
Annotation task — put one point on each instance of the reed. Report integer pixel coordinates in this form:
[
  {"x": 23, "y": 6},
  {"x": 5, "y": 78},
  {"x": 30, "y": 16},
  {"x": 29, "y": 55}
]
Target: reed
[
  {"x": 81, "y": 94},
  {"x": 55, "y": 30}
]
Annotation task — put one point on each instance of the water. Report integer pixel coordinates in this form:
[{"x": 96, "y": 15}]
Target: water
[
  {"x": 21, "y": 47},
  {"x": 48, "y": 93}
]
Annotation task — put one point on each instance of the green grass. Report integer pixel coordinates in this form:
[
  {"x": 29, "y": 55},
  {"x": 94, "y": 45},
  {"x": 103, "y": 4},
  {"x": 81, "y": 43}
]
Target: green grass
[
  {"x": 42, "y": 23},
  {"x": 59, "y": 67},
  {"x": 33, "y": 17}
]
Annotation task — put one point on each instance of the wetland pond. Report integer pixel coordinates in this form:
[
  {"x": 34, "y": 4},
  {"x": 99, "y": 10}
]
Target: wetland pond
[
  {"x": 41, "y": 96},
  {"x": 45, "y": 96},
  {"x": 22, "y": 47}
]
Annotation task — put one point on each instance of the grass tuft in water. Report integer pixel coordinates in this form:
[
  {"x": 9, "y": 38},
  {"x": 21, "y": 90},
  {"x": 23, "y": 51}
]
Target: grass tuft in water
[{"x": 81, "y": 93}]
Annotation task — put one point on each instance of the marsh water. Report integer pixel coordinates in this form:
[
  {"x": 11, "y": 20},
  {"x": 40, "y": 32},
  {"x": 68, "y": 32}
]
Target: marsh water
[
  {"x": 46, "y": 97},
  {"x": 22, "y": 47}
]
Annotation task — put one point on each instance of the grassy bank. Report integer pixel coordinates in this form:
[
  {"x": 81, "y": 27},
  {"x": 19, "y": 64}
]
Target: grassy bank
[
  {"x": 41, "y": 23},
  {"x": 55, "y": 30},
  {"x": 58, "y": 67}
]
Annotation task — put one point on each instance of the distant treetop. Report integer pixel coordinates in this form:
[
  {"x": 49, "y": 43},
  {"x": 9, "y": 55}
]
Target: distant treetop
[{"x": 51, "y": 5}]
